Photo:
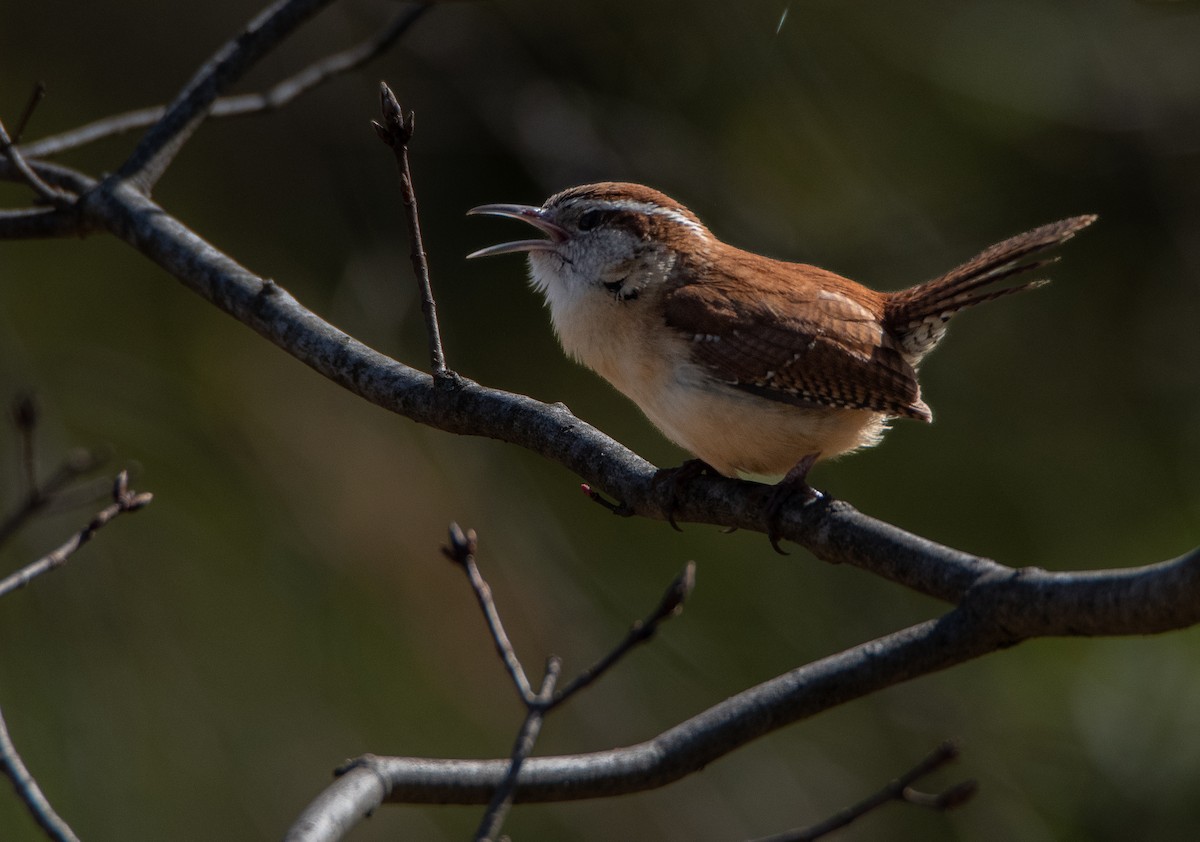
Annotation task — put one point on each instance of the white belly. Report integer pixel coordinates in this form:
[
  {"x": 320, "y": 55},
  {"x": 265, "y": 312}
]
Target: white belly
[{"x": 736, "y": 432}]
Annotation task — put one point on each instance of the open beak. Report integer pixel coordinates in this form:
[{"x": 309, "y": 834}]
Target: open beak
[{"x": 534, "y": 216}]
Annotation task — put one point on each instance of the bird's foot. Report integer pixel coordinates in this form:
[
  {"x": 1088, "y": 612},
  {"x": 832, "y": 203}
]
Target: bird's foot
[
  {"x": 672, "y": 480},
  {"x": 793, "y": 485},
  {"x": 621, "y": 509}
]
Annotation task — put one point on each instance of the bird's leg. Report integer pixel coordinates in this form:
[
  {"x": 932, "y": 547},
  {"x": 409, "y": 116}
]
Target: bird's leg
[
  {"x": 794, "y": 484},
  {"x": 673, "y": 480},
  {"x": 621, "y": 509}
]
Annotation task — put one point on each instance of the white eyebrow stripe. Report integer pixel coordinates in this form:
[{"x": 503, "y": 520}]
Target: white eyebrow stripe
[{"x": 658, "y": 210}]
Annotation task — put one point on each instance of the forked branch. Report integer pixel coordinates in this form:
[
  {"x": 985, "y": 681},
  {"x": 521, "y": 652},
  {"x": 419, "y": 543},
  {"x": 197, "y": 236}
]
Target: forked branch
[
  {"x": 239, "y": 105},
  {"x": 124, "y": 500},
  {"x": 461, "y": 550}
]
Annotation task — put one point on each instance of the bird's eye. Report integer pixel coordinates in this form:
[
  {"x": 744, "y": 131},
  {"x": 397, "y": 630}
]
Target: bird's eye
[{"x": 590, "y": 219}]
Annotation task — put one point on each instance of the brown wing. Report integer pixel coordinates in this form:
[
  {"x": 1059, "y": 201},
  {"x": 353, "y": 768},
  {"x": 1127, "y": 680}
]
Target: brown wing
[{"x": 812, "y": 339}]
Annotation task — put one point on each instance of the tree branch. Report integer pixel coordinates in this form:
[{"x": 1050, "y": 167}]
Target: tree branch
[
  {"x": 896, "y": 790},
  {"x": 996, "y": 606},
  {"x": 38, "y": 497},
  {"x": 672, "y": 755},
  {"x": 502, "y": 798},
  {"x": 29, "y": 792},
  {"x": 159, "y": 146},
  {"x": 462, "y": 552},
  {"x": 831, "y": 529},
  {"x": 124, "y": 500},
  {"x": 396, "y": 131},
  {"x": 641, "y": 631},
  {"x": 25, "y": 419},
  {"x": 51, "y": 195},
  {"x": 998, "y": 614},
  {"x": 35, "y": 97},
  {"x": 62, "y": 221},
  {"x": 240, "y": 105}
]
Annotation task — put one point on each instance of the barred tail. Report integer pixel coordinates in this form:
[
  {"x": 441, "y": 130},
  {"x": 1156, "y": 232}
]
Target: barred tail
[{"x": 917, "y": 316}]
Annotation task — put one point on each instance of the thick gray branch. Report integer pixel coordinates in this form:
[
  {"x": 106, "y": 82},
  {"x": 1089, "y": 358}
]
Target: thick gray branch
[
  {"x": 831, "y": 529},
  {"x": 997, "y": 613},
  {"x": 670, "y": 756}
]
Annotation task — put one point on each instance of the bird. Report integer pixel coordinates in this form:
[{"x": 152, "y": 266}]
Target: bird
[{"x": 755, "y": 366}]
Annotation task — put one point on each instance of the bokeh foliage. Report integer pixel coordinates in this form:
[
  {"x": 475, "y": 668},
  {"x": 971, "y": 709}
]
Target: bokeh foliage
[{"x": 200, "y": 668}]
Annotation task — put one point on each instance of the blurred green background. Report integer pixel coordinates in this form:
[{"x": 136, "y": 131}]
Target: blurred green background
[{"x": 201, "y": 667}]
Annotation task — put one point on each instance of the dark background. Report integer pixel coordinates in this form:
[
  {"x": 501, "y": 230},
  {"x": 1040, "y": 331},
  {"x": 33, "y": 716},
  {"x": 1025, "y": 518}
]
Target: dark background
[{"x": 201, "y": 667}]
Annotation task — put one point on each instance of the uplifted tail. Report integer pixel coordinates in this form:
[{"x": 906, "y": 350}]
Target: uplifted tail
[{"x": 917, "y": 316}]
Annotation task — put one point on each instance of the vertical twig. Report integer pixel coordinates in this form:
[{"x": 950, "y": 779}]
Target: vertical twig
[
  {"x": 502, "y": 798},
  {"x": 396, "y": 130},
  {"x": 35, "y": 97},
  {"x": 461, "y": 550},
  {"x": 25, "y": 417}
]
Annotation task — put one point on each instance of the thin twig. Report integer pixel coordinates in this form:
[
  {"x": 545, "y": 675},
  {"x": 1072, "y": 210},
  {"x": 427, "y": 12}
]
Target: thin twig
[
  {"x": 947, "y": 799},
  {"x": 40, "y": 221},
  {"x": 124, "y": 500},
  {"x": 241, "y": 105},
  {"x": 672, "y": 754},
  {"x": 52, "y": 195},
  {"x": 35, "y": 97},
  {"x": 77, "y": 463},
  {"x": 498, "y": 807},
  {"x": 897, "y": 790},
  {"x": 29, "y": 792},
  {"x": 462, "y": 551},
  {"x": 25, "y": 418},
  {"x": 159, "y": 146},
  {"x": 396, "y": 130},
  {"x": 641, "y": 631}
]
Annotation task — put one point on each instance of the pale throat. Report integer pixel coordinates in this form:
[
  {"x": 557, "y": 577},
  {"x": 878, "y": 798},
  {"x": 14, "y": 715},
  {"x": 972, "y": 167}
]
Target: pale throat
[{"x": 607, "y": 333}]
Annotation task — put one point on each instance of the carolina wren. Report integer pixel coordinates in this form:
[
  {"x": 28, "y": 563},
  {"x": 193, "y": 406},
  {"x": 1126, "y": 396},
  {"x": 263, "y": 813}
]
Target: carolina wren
[{"x": 753, "y": 365}]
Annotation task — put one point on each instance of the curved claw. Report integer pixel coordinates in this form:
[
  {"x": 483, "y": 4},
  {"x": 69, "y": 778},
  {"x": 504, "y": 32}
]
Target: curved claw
[
  {"x": 793, "y": 484},
  {"x": 674, "y": 478}
]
